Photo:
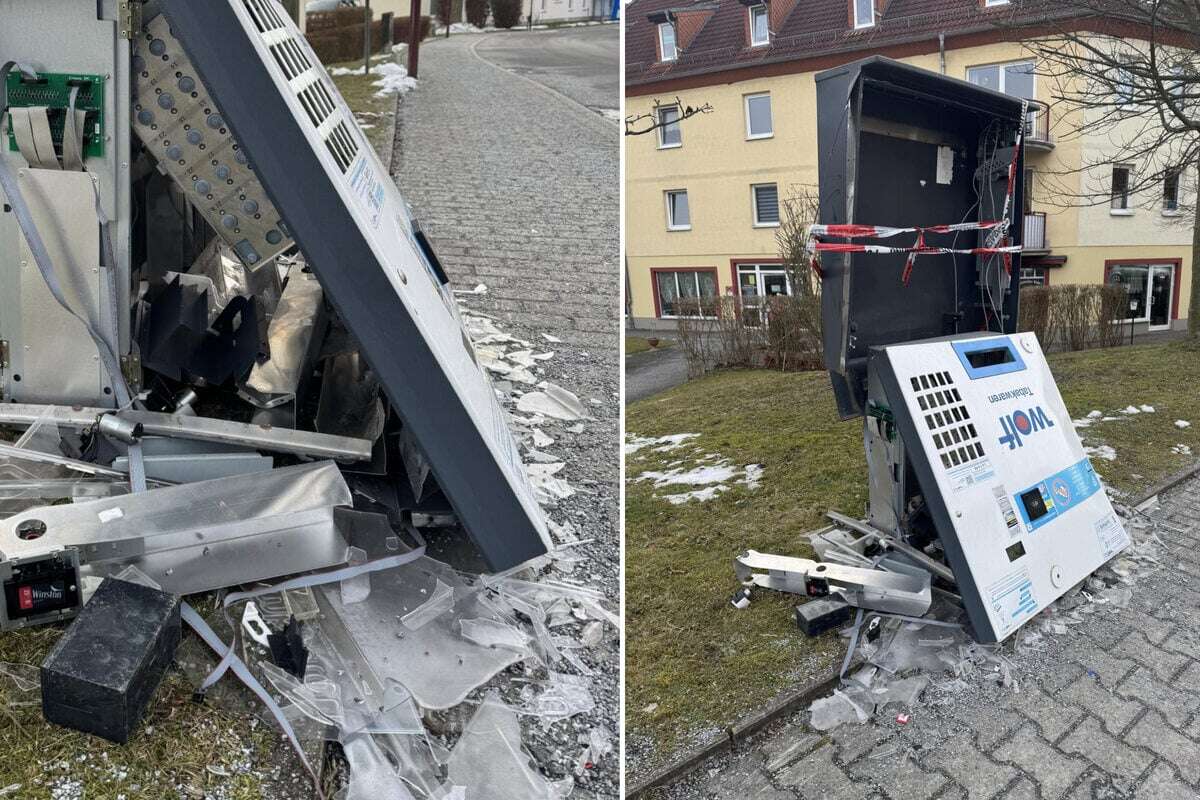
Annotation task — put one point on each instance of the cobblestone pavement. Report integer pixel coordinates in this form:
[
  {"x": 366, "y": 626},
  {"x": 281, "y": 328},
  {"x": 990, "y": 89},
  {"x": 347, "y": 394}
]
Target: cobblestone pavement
[
  {"x": 517, "y": 188},
  {"x": 1107, "y": 711},
  {"x": 582, "y": 63}
]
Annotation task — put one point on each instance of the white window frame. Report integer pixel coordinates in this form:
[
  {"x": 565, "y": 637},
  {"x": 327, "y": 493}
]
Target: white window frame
[
  {"x": 994, "y": 3},
  {"x": 1150, "y": 270},
  {"x": 671, "y": 226},
  {"x": 1127, "y": 211},
  {"x": 754, "y": 187},
  {"x": 658, "y": 113},
  {"x": 858, "y": 23},
  {"x": 1002, "y": 68},
  {"x": 746, "y": 111},
  {"x": 662, "y": 46},
  {"x": 751, "y": 11},
  {"x": 695, "y": 273},
  {"x": 760, "y": 271}
]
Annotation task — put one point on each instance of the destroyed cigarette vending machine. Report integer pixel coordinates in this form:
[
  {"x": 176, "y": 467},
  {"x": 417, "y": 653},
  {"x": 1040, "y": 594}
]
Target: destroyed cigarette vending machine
[
  {"x": 971, "y": 451},
  {"x": 206, "y": 269}
]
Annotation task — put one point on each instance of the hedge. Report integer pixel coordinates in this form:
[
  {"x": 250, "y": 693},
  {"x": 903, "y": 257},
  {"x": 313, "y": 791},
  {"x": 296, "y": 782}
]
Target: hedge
[{"x": 337, "y": 36}]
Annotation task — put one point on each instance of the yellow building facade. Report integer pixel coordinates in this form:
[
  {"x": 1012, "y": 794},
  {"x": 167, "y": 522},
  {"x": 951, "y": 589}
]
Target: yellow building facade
[{"x": 718, "y": 162}]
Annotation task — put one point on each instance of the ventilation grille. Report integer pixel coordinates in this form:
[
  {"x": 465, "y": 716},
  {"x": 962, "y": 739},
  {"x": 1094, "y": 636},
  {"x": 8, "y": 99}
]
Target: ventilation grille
[
  {"x": 342, "y": 145},
  {"x": 948, "y": 420},
  {"x": 265, "y": 15},
  {"x": 291, "y": 59},
  {"x": 329, "y": 117}
]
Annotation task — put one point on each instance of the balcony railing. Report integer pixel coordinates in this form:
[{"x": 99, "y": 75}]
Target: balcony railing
[
  {"x": 1035, "y": 231},
  {"x": 1037, "y": 126}
]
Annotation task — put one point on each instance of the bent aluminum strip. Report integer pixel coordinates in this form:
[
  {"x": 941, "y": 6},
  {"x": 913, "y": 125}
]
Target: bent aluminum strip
[
  {"x": 865, "y": 588},
  {"x": 200, "y": 536},
  {"x": 201, "y": 429}
]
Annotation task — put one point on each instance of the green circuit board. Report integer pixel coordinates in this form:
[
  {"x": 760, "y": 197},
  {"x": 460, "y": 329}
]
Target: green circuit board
[{"x": 53, "y": 90}]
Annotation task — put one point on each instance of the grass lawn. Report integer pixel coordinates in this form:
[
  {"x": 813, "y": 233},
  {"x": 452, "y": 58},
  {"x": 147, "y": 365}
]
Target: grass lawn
[
  {"x": 360, "y": 96},
  {"x": 640, "y": 344},
  {"x": 181, "y": 749},
  {"x": 694, "y": 663}
]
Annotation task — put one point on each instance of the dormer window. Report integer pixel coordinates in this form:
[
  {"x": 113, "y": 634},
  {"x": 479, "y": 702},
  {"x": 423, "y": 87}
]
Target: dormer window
[
  {"x": 864, "y": 13},
  {"x": 666, "y": 41},
  {"x": 760, "y": 33}
]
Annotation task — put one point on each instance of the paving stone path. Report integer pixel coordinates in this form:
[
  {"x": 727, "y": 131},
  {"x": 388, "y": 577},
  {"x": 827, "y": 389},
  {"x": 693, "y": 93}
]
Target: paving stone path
[
  {"x": 517, "y": 188},
  {"x": 1107, "y": 711}
]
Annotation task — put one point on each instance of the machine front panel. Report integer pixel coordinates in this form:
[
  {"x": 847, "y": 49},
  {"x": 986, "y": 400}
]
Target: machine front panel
[{"x": 1025, "y": 517}]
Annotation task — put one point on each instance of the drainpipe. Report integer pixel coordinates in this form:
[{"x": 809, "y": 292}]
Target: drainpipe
[{"x": 942, "y": 50}]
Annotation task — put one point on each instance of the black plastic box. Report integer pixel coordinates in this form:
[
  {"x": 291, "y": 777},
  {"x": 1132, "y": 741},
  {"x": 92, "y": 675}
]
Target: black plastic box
[
  {"x": 100, "y": 676},
  {"x": 817, "y": 616}
]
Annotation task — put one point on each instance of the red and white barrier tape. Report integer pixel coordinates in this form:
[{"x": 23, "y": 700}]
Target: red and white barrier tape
[{"x": 919, "y": 248}]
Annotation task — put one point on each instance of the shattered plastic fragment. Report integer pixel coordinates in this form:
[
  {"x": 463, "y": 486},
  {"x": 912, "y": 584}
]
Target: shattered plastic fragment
[
  {"x": 564, "y": 696},
  {"x": 837, "y": 709},
  {"x": 553, "y": 401},
  {"x": 441, "y": 601},
  {"x": 489, "y": 762},
  {"x": 492, "y": 633}
]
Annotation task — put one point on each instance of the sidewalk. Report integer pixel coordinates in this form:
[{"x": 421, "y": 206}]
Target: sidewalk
[
  {"x": 1108, "y": 710},
  {"x": 513, "y": 185}
]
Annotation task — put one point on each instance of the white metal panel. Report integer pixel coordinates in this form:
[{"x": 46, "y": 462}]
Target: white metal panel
[{"x": 993, "y": 435}]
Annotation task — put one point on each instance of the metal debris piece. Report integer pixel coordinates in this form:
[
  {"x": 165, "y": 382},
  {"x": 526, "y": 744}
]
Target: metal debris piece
[
  {"x": 864, "y": 588},
  {"x": 204, "y": 429},
  {"x": 198, "y": 536}
]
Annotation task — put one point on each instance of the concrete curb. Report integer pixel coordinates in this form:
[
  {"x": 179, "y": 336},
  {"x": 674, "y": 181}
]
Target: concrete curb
[
  {"x": 782, "y": 706},
  {"x": 1168, "y": 483}
]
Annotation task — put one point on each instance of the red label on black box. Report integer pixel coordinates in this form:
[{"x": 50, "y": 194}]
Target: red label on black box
[{"x": 25, "y": 598}]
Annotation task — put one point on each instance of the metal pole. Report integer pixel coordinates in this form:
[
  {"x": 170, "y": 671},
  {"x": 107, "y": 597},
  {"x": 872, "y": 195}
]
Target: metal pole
[
  {"x": 367, "y": 37},
  {"x": 414, "y": 36}
]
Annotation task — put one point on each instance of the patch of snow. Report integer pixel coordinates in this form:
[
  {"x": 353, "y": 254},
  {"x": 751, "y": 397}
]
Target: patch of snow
[
  {"x": 1147, "y": 409},
  {"x": 551, "y": 339},
  {"x": 1182, "y": 423},
  {"x": 1101, "y": 451},
  {"x": 393, "y": 79},
  {"x": 662, "y": 444},
  {"x": 1182, "y": 450},
  {"x": 1095, "y": 414},
  {"x": 613, "y": 114},
  {"x": 479, "y": 289},
  {"x": 463, "y": 27},
  {"x": 1131, "y": 410}
]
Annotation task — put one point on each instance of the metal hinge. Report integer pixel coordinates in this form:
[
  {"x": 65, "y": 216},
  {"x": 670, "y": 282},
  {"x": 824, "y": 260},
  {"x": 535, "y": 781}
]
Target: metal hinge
[
  {"x": 131, "y": 368},
  {"x": 129, "y": 18},
  {"x": 4, "y": 354}
]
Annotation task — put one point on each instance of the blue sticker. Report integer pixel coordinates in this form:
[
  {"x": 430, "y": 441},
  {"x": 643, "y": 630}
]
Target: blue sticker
[{"x": 1059, "y": 493}]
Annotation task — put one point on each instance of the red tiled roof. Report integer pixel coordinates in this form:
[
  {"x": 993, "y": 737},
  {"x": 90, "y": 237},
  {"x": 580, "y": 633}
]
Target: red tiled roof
[{"x": 813, "y": 28}]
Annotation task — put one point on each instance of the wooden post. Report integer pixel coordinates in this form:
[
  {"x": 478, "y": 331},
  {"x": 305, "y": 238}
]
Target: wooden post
[
  {"x": 367, "y": 37},
  {"x": 414, "y": 36}
]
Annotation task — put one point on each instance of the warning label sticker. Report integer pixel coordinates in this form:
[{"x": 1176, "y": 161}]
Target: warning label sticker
[
  {"x": 1006, "y": 510},
  {"x": 971, "y": 474},
  {"x": 1011, "y": 599},
  {"x": 1111, "y": 534}
]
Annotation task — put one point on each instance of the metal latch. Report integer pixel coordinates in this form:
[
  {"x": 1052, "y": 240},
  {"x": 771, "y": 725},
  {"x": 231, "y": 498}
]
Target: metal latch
[
  {"x": 131, "y": 368},
  {"x": 129, "y": 18}
]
